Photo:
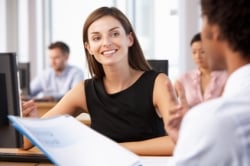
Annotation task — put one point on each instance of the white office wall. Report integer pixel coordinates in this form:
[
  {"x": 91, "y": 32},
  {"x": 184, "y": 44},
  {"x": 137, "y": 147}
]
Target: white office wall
[
  {"x": 31, "y": 36},
  {"x": 189, "y": 13},
  {"x": 3, "y": 31},
  {"x": 23, "y": 28},
  {"x": 166, "y": 34},
  {"x": 8, "y": 30}
]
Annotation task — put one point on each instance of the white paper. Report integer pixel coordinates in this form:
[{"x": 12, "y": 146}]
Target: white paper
[{"x": 66, "y": 142}]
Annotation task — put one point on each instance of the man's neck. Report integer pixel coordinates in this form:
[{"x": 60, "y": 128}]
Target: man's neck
[{"x": 234, "y": 61}]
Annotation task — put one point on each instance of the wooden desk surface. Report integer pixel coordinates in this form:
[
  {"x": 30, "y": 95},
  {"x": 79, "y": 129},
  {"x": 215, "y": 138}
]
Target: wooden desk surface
[
  {"x": 146, "y": 160},
  {"x": 43, "y": 107}
]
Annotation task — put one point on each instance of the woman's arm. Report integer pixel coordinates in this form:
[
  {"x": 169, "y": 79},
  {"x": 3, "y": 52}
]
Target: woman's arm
[
  {"x": 164, "y": 97},
  {"x": 160, "y": 146},
  {"x": 73, "y": 101}
]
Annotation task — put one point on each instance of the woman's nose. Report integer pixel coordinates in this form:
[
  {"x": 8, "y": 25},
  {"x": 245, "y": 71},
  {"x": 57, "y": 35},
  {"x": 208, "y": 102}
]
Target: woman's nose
[{"x": 106, "y": 41}]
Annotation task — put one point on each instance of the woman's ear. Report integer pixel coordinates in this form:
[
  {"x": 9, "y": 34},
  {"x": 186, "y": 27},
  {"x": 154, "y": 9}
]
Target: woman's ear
[
  {"x": 86, "y": 45},
  {"x": 130, "y": 39}
]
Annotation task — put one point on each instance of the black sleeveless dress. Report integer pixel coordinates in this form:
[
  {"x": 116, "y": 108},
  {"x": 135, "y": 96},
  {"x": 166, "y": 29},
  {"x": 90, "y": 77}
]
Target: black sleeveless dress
[{"x": 128, "y": 115}]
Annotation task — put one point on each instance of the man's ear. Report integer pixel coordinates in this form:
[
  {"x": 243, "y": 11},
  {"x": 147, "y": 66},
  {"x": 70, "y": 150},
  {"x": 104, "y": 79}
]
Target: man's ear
[
  {"x": 86, "y": 45},
  {"x": 66, "y": 56},
  {"x": 216, "y": 33}
]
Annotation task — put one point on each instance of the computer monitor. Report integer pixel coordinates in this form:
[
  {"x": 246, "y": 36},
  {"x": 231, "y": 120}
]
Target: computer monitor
[
  {"x": 9, "y": 100},
  {"x": 24, "y": 77},
  {"x": 159, "y": 65}
]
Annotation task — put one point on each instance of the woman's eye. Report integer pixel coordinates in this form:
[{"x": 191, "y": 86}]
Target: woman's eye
[
  {"x": 115, "y": 34},
  {"x": 96, "y": 38}
]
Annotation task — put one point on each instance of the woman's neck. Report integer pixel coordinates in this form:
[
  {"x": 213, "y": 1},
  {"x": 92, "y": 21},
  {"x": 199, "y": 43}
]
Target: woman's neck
[
  {"x": 205, "y": 71},
  {"x": 118, "y": 79},
  {"x": 205, "y": 79}
]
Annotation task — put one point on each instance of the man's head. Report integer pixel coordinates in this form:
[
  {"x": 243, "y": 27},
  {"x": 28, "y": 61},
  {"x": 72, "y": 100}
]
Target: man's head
[
  {"x": 226, "y": 24},
  {"x": 58, "y": 54}
]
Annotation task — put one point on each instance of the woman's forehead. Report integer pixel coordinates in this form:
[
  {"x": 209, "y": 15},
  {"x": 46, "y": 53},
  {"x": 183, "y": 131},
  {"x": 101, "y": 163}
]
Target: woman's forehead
[{"x": 104, "y": 24}]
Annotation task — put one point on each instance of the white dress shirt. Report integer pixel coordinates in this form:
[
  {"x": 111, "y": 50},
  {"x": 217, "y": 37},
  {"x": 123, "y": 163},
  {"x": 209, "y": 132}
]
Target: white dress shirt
[
  {"x": 51, "y": 84},
  {"x": 217, "y": 132}
]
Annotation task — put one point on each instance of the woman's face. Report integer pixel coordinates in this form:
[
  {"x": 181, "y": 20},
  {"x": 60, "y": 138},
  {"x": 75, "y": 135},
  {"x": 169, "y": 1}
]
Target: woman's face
[
  {"x": 107, "y": 41},
  {"x": 198, "y": 55}
]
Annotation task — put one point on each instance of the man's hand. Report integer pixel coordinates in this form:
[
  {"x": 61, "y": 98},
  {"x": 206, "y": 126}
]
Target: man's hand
[{"x": 177, "y": 113}]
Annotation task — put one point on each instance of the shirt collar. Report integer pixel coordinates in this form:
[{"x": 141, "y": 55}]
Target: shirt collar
[
  {"x": 64, "y": 72},
  {"x": 238, "y": 81}
]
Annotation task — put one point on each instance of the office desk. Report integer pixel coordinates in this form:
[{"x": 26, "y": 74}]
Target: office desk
[
  {"x": 19, "y": 151},
  {"x": 146, "y": 160},
  {"x": 43, "y": 107},
  {"x": 2, "y": 163}
]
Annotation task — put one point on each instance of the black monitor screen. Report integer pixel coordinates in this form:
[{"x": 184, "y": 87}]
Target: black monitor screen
[
  {"x": 24, "y": 77},
  {"x": 159, "y": 65},
  {"x": 9, "y": 100}
]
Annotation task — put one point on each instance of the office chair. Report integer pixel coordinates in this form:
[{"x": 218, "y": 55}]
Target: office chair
[{"x": 159, "y": 65}]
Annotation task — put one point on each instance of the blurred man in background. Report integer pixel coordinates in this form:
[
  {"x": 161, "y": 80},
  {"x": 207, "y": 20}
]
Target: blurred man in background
[{"x": 55, "y": 81}]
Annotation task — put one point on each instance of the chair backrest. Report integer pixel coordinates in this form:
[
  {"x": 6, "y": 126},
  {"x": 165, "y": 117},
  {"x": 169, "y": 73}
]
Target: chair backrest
[{"x": 159, "y": 65}]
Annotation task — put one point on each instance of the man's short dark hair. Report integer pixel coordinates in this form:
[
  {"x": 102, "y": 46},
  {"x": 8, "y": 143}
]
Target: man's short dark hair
[
  {"x": 233, "y": 19},
  {"x": 61, "y": 45},
  {"x": 196, "y": 38}
]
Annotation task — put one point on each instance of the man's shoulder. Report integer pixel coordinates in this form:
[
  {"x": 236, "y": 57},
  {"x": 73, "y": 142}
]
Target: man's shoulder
[
  {"x": 48, "y": 72},
  {"x": 74, "y": 69},
  {"x": 214, "y": 132},
  {"x": 220, "y": 115},
  {"x": 204, "y": 109}
]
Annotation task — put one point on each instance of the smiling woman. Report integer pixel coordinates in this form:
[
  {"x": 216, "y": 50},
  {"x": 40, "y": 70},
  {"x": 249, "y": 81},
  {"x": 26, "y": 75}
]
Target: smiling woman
[{"x": 127, "y": 101}]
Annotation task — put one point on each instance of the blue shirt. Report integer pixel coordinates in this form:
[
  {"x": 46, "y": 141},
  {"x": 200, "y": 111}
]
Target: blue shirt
[
  {"x": 217, "y": 132},
  {"x": 51, "y": 84}
]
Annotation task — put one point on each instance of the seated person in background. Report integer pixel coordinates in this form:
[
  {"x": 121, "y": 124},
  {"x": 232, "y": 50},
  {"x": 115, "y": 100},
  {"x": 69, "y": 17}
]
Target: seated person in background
[
  {"x": 202, "y": 83},
  {"x": 127, "y": 100},
  {"x": 54, "y": 82}
]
